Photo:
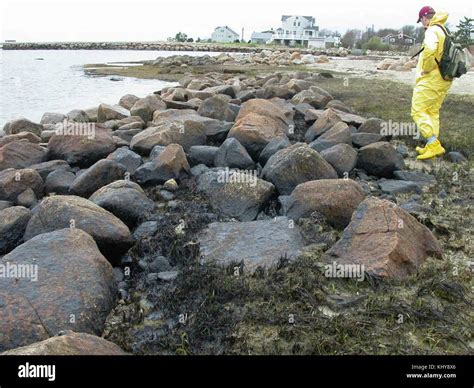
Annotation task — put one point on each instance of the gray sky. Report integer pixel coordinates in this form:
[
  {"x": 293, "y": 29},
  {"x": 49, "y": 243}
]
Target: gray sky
[{"x": 148, "y": 20}]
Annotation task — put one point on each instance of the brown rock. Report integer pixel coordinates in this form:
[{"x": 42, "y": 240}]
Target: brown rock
[
  {"x": 72, "y": 287},
  {"x": 82, "y": 151},
  {"x": 60, "y": 211},
  {"x": 21, "y": 154},
  {"x": 14, "y": 182},
  {"x": 69, "y": 343},
  {"x": 335, "y": 199},
  {"x": 384, "y": 238}
]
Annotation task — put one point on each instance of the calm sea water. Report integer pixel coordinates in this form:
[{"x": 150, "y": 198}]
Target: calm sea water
[{"x": 57, "y": 83}]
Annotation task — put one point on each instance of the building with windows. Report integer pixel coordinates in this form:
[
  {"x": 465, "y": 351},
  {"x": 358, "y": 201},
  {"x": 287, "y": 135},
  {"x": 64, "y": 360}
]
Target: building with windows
[
  {"x": 295, "y": 29},
  {"x": 224, "y": 34}
]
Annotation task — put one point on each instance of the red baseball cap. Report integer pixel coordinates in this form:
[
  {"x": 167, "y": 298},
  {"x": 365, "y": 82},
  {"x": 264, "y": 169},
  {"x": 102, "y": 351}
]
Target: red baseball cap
[{"x": 426, "y": 10}]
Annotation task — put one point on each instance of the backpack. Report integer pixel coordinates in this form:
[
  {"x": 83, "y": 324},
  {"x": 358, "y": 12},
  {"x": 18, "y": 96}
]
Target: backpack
[{"x": 453, "y": 62}]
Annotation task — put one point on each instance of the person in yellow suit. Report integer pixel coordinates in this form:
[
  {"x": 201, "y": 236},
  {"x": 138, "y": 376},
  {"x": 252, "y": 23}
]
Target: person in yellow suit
[{"x": 430, "y": 89}]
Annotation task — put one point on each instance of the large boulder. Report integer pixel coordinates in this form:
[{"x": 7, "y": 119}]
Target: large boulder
[
  {"x": 14, "y": 182},
  {"x": 216, "y": 130},
  {"x": 217, "y": 107},
  {"x": 234, "y": 193},
  {"x": 255, "y": 131},
  {"x": 145, "y": 107},
  {"x": 342, "y": 157},
  {"x": 385, "y": 239},
  {"x": 171, "y": 163},
  {"x": 232, "y": 154},
  {"x": 312, "y": 96},
  {"x": 59, "y": 182},
  {"x": 59, "y": 211},
  {"x": 335, "y": 199},
  {"x": 13, "y": 221},
  {"x": 339, "y": 133},
  {"x": 373, "y": 125},
  {"x": 22, "y": 125},
  {"x": 82, "y": 151},
  {"x": 100, "y": 174},
  {"x": 128, "y": 100},
  {"x": 68, "y": 343},
  {"x": 111, "y": 112},
  {"x": 52, "y": 118},
  {"x": 324, "y": 122},
  {"x": 66, "y": 284},
  {"x": 269, "y": 109},
  {"x": 255, "y": 243},
  {"x": 380, "y": 159},
  {"x": 78, "y": 116},
  {"x": 296, "y": 164},
  {"x": 187, "y": 134},
  {"x": 126, "y": 200},
  {"x": 21, "y": 154},
  {"x": 31, "y": 137}
]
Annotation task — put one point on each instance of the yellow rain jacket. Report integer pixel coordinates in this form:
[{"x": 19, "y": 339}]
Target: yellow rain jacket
[{"x": 430, "y": 89}]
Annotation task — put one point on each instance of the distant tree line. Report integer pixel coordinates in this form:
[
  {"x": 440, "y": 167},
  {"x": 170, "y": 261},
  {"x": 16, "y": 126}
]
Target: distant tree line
[{"x": 372, "y": 40}]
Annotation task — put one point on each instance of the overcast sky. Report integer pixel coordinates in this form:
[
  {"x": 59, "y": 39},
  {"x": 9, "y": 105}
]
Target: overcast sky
[{"x": 149, "y": 20}]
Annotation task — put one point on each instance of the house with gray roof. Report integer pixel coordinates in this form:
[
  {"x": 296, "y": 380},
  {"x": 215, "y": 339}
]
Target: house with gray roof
[
  {"x": 224, "y": 34},
  {"x": 295, "y": 29}
]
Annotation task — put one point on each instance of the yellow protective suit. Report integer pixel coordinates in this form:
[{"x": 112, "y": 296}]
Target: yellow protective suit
[{"x": 430, "y": 89}]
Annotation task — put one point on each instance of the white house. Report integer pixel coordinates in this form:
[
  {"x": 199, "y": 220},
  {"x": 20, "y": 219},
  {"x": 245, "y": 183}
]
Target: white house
[
  {"x": 295, "y": 29},
  {"x": 224, "y": 34},
  {"x": 261, "y": 37}
]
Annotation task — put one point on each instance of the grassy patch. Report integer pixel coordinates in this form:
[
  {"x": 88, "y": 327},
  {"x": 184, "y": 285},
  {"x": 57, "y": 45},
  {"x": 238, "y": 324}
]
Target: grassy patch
[{"x": 391, "y": 100}]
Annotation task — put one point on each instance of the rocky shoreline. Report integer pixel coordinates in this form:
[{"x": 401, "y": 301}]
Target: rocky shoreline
[
  {"x": 127, "y": 212},
  {"x": 158, "y": 46}
]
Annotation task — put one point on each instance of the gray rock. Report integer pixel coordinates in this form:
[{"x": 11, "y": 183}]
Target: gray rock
[
  {"x": 455, "y": 157},
  {"x": 415, "y": 176},
  {"x": 73, "y": 289},
  {"x": 78, "y": 116},
  {"x": 232, "y": 154},
  {"x": 380, "y": 159},
  {"x": 112, "y": 112},
  {"x": 98, "y": 175},
  {"x": 372, "y": 125},
  {"x": 236, "y": 194},
  {"x": 13, "y": 221},
  {"x": 361, "y": 139},
  {"x": 22, "y": 125},
  {"x": 145, "y": 229},
  {"x": 156, "y": 151},
  {"x": 275, "y": 145},
  {"x": 52, "y": 118},
  {"x": 393, "y": 186},
  {"x": 296, "y": 164},
  {"x": 58, "y": 212},
  {"x": 124, "y": 199},
  {"x": 45, "y": 168},
  {"x": 170, "y": 164},
  {"x": 27, "y": 198},
  {"x": 255, "y": 243},
  {"x": 59, "y": 182},
  {"x": 342, "y": 157},
  {"x": 127, "y": 158},
  {"x": 202, "y": 155},
  {"x": 216, "y": 107},
  {"x": 5, "y": 205},
  {"x": 14, "y": 182}
]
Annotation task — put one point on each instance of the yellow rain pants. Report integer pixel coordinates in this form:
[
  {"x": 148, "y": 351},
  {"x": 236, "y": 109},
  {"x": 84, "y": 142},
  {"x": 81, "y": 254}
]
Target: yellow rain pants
[{"x": 430, "y": 89}]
